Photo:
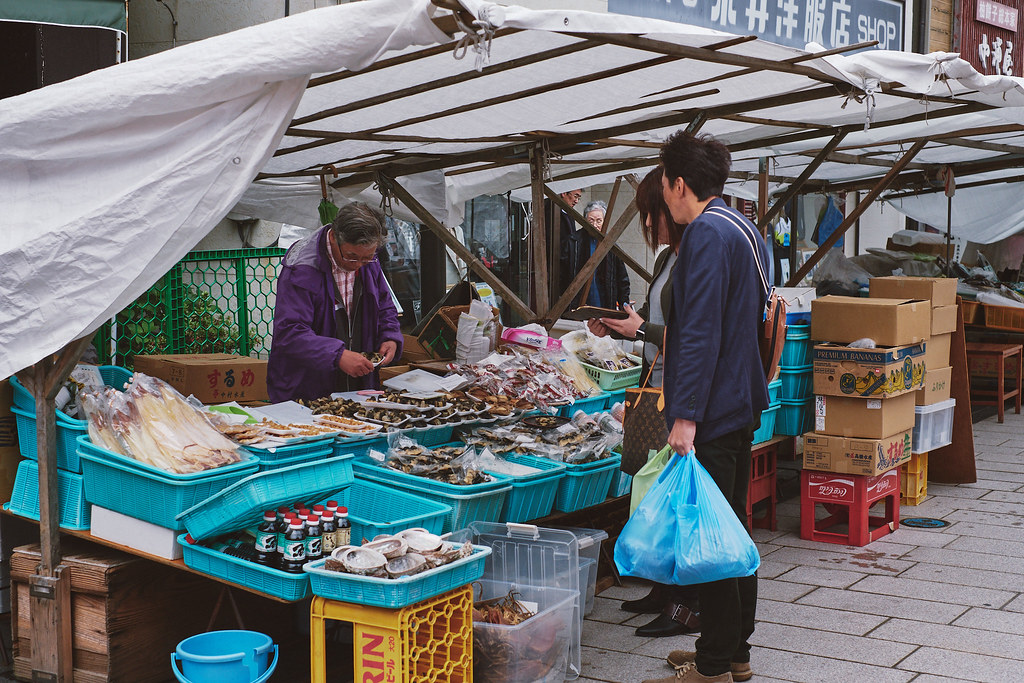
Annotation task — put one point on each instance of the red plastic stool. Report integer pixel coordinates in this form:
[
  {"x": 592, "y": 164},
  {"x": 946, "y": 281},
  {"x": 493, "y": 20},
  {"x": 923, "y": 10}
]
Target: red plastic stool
[
  {"x": 848, "y": 499},
  {"x": 762, "y": 486}
]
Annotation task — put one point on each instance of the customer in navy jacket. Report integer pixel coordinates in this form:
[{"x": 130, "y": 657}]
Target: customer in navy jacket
[{"x": 714, "y": 384}]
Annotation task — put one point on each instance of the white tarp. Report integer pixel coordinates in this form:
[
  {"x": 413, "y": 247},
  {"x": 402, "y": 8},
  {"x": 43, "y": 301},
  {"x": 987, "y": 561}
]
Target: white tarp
[{"x": 111, "y": 178}]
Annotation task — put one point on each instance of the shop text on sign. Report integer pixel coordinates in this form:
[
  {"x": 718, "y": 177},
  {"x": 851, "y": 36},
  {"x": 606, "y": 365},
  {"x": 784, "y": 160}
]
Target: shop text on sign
[
  {"x": 986, "y": 36},
  {"x": 991, "y": 12},
  {"x": 831, "y": 23}
]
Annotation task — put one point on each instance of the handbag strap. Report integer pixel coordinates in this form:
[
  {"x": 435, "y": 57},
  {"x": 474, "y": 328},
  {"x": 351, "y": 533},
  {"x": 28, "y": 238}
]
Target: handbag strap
[
  {"x": 650, "y": 370},
  {"x": 751, "y": 242}
]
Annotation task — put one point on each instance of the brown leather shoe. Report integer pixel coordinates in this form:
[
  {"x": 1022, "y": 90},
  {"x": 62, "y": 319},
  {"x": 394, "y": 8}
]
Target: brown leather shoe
[
  {"x": 741, "y": 671},
  {"x": 688, "y": 673}
]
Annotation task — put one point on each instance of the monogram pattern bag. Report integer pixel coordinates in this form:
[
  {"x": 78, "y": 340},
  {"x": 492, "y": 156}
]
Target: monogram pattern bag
[{"x": 643, "y": 425}]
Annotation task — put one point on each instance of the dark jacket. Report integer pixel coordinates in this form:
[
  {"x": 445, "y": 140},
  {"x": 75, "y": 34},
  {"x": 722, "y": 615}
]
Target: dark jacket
[
  {"x": 612, "y": 278},
  {"x": 306, "y": 347},
  {"x": 713, "y": 374}
]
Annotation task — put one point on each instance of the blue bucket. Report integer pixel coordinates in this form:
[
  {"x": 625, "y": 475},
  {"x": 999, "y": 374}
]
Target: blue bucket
[{"x": 225, "y": 657}]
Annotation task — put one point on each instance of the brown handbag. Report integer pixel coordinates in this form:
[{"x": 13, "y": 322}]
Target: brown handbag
[{"x": 643, "y": 425}]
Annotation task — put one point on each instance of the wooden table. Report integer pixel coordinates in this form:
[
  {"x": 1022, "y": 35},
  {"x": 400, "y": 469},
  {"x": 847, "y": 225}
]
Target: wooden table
[{"x": 999, "y": 353}]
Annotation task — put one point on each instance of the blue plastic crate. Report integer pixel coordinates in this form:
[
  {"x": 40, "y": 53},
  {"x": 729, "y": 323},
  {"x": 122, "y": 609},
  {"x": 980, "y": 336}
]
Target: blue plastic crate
[
  {"x": 241, "y": 504},
  {"x": 74, "y": 511},
  {"x": 360, "y": 447},
  {"x": 617, "y": 396},
  {"x": 433, "y": 435},
  {"x": 767, "y": 428},
  {"x": 796, "y": 352},
  {"x": 113, "y": 375},
  {"x": 396, "y": 593},
  {"x": 286, "y": 456},
  {"x": 375, "y": 509},
  {"x": 797, "y": 383},
  {"x": 67, "y": 440},
  {"x": 371, "y": 469},
  {"x": 311, "y": 456},
  {"x": 774, "y": 389},
  {"x": 283, "y": 585},
  {"x": 482, "y": 505},
  {"x": 586, "y": 485},
  {"x": 592, "y": 404},
  {"x": 794, "y": 417},
  {"x": 621, "y": 485},
  {"x": 532, "y": 495},
  {"x": 122, "y": 485}
]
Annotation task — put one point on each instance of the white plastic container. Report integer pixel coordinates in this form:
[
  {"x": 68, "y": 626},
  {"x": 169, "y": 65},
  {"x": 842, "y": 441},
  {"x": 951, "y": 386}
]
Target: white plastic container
[
  {"x": 535, "y": 650},
  {"x": 590, "y": 555},
  {"x": 933, "y": 426}
]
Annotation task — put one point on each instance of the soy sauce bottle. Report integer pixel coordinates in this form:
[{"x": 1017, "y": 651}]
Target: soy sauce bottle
[
  {"x": 295, "y": 548},
  {"x": 282, "y": 531},
  {"x": 266, "y": 539},
  {"x": 329, "y": 527},
  {"x": 344, "y": 533},
  {"x": 314, "y": 539}
]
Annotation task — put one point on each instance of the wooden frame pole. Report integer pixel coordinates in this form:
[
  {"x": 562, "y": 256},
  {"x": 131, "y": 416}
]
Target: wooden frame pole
[
  {"x": 794, "y": 189},
  {"x": 539, "y": 230}
]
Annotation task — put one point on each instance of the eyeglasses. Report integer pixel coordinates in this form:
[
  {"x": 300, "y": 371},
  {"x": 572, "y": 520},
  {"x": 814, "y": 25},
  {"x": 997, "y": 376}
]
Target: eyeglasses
[
  {"x": 362, "y": 261},
  {"x": 575, "y": 196}
]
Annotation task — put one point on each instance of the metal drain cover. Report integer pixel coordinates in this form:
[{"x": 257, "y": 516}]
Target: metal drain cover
[{"x": 924, "y": 522}]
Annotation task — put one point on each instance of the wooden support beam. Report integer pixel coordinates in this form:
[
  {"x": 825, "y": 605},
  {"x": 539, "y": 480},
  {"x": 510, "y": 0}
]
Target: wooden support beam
[
  {"x": 611, "y": 200},
  {"x": 856, "y": 213},
  {"x": 586, "y": 273},
  {"x": 450, "y": 241},
  {"x": 959, "y": 186},
  {"x": 762, "y": 194},
  {"x": 628, "y": 260},
  {"x": 794, "y": 189},
  {"x": 539, "y": 231}
]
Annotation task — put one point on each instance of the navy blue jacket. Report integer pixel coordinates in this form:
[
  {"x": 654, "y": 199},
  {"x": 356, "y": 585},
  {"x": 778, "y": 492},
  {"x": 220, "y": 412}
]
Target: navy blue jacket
[{"x": 713, "y": 372}]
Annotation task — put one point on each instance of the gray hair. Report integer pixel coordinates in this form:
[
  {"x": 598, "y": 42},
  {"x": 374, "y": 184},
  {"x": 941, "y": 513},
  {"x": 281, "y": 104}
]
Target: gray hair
[
  {"x": 596, "y": 205},
  {"x": 359, "y": 224}
]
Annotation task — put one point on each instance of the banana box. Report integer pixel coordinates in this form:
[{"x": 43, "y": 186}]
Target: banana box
[{"x": 881, "y": 372}]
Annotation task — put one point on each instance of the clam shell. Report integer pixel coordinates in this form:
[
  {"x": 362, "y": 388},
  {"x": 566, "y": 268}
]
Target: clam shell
[
  {"x": 361, "y": 561},
  {"x": 406, "y": 565},
  {"x": 390, "y": 547},
  {"x": 420, "y": 540}
]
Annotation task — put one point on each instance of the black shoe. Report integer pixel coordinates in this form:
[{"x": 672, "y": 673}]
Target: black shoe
[
  {"x": 666, "y": 625},
  {"x": 652, "y": 603}
]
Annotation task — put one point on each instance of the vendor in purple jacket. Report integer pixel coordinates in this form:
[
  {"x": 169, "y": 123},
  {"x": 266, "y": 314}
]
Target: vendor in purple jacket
[{"x": 332, "y": 304}]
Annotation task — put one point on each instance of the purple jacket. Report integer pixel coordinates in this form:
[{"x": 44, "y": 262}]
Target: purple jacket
[{"x": 305, "y": 350}]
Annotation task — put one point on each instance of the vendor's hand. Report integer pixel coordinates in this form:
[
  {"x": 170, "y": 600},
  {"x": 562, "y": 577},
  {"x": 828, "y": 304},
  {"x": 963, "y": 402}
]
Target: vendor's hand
[
  {"x": 681, "y": 436},
  {"x": 388, "y": 349},
  {"x": 627, "y": 327},
  {"x": 354, "y": 364},
  {"x": 598, "y": 328}
]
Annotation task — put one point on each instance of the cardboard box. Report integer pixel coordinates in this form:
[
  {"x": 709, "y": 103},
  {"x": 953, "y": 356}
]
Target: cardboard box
[
  {"x": 390, "y": 371},
  {"x": 872, "y": 418},
  {"x": 932, "y": 249},
  {"x": 872, "y": 373},
  {"x": 936, "y": 351},
  {"x": 943, "y": 319},
  {"x": 889, "y": 322},
  {"x": 135, "y": 533},
  {"x": 941, "y": 291},
  {"x": 847, "y": 455},
  {"x": 413, "y": 351},
  {"x": 210, "y": 377},
  {"x": 936, "y": 386}
]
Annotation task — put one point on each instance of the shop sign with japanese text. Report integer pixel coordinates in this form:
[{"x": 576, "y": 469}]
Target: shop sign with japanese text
[
  {"x": 985, "y": 34},
  {"x": 832, "y": 23}
]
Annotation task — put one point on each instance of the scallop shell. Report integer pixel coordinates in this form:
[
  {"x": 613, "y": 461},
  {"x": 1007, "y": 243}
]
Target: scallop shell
[
  {"x": 361, "y": 561},
  {"x": 420, "y": 540},
  {"x": 407, "y": 565},
  {"x": 389, "y": 546}
]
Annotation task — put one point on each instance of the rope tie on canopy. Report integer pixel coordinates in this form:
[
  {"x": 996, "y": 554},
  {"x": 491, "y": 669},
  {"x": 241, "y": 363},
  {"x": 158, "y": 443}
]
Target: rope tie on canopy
[
  {"x": 546, "y": 156},
  {"x": 478, "y": 36},
  {"x": 382, "y": 184}
]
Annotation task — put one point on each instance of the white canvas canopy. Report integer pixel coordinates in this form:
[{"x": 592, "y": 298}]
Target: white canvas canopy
[{"x": 112, "y": 177}]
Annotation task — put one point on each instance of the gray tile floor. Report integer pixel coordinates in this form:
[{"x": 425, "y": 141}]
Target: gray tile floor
[{"x": 917, "y": 605}]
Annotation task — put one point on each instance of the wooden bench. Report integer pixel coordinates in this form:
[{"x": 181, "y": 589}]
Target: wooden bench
[{"x": 998, "y": 353}]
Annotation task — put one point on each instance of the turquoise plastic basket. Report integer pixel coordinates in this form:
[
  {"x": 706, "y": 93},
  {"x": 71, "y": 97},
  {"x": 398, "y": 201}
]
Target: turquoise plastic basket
[
  {"x": 113, "y": 375},
  {"x": 241, "y": 504},
  {"x": 67, "y": 438},
  {"x": 74, "y": 511},
  {"x": 312, "y": 456},
  {"x": 794, "y": 417},
  {"x": 593, "y": 404},
  {"x": 286, "y": 456},
  {"x": 284, "y": 585},
  {"x": 797, "y": 383},
  {"x": 359, "y": 447},
  {"x": 586, "y": 485},
  {"x": 395, "y": 593},
  {"x": 767, "y": 428},
  {"x": 367, "y": 466},
  {"x": 621, "y": 485},
  {"x": 532, "y": 495},
  {"x": 375, "y": 509},
  {"x": 774, "y": 389},
  {"x": 796, "y": 352},
  {"x": 617, "y": 396},
  {"x": 468, "y": 506},
  {"x": 434, "y": 435},
  {"x": 127, "y": 487}
]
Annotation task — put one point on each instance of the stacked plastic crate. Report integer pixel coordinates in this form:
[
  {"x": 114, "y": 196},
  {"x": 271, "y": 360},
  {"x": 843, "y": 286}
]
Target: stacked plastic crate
[
  {"x": 933, "y": 426},
  {"x": 795, "y": 375},
  {"x": 865, "y": 379}
]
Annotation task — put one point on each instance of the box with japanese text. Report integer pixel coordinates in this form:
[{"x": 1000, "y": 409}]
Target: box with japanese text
[
  {"x": 881, "y": 372},
  {"x": 872, "y": 418},
  {"x": 936, "y": 387},
  {"x": 889, "y": 322},
  {"x": 848, "y": 455},
  {"x": 941, "y": 291},
  {"x": 210, "y": 377}
]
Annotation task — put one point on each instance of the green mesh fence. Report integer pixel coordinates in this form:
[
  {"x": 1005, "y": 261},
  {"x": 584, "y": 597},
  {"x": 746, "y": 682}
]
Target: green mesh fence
[{"x": 210, "y": 302}]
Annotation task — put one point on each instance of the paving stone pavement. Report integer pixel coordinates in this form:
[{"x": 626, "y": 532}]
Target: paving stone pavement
[{"x": 917, "y": 605}]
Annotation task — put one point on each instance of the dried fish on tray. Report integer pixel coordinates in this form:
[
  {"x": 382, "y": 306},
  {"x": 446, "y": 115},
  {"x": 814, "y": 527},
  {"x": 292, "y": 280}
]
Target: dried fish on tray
[{"x": 347, "y": 424}]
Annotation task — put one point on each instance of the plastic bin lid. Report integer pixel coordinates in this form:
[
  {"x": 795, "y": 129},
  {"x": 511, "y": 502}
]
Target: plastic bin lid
[
  {"x": 242, "y": 504},
  {"x": 587, "y": 537}
]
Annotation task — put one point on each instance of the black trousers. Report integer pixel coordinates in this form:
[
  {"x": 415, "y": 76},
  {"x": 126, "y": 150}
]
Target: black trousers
[{"x": 727, "y": 607}]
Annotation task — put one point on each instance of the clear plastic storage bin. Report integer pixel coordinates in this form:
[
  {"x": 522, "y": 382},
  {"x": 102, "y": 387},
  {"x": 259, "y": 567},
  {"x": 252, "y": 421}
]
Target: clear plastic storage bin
[
  {"x": 589, "y": 541},
  {"x": 933, "y": 426}
]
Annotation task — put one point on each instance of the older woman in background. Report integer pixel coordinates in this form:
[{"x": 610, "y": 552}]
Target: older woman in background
[{"x": 609, "y": 287}]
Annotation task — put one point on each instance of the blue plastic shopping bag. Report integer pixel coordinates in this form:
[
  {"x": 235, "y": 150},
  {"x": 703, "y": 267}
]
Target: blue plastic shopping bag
[{"x": 684, "y": 531}]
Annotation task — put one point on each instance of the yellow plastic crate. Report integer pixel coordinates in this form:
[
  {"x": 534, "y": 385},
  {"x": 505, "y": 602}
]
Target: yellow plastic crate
[
  {"x": 428, "y": 642},
  {"x": 914, "y": 479}
]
